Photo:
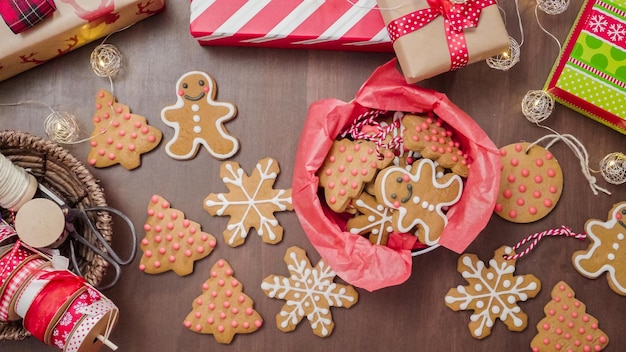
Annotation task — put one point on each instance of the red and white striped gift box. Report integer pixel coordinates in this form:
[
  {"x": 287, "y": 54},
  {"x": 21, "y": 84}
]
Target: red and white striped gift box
[{"x": 306, "y": 24}]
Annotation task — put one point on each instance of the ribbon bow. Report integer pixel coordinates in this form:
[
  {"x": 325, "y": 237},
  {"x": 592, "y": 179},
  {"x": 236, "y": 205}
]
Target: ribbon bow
[{"x": 457, "y": 17}]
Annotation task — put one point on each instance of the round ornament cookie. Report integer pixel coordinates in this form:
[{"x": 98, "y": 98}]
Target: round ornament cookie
[{"x": 530, "y": 185}]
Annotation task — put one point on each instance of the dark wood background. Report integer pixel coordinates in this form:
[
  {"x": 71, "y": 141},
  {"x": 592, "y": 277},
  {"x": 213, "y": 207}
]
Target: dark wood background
[{"x": 272, "y": 89}]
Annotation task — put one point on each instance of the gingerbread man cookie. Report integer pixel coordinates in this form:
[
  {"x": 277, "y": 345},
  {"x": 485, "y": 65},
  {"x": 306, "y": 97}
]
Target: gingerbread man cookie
[
  {"x": 418, "y": 198},
  {"x": 607, "y": 250},
  {"x": 531, "y": 183},
  {"x": 198, "y": 119}
]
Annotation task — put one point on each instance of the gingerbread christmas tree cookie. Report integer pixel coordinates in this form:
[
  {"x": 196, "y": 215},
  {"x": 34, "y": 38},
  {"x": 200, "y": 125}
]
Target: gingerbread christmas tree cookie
[
  {"x": 607, "y": 250},
  {"x": 309, "y": 292},
  {"x": 222, "y": 309},
  {"x": 172, "y": 242},
  {"x": 119, "y": 137},
  {"x": 251, "y": 202},
  {"x": 492, "y": 292},
  {"x": 567, "y": 326}
]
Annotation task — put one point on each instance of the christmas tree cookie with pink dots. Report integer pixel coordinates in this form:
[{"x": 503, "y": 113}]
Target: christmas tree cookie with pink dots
[
  {"x": 172, "y": 242},
  {"x": 567, "y": 326},
  {"x": 222, "y": 309},
  {"x": 119, "y": 136}
]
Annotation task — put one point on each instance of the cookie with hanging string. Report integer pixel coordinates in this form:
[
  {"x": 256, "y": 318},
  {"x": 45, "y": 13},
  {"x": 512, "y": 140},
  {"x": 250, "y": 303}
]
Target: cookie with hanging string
[{"x": 531, "y": 183}]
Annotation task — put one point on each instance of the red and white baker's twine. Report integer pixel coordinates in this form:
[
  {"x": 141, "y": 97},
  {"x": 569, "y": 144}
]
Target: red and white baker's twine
[
  {"x": 369, "y": 119},
  {"x": 535, "y": 238}
]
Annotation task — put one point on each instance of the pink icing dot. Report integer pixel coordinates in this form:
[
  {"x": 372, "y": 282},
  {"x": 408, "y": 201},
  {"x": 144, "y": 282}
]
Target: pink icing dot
[
  {"x": 342, "y": 192},
  {"x": 539, "y": 162},
  {"x": 234, "y": 310},
  {"x": 221, "y": 328},
  {"x": 536, "y": 194},
  {"x": 546, "y": 326},
  {"x": 499, "y": 207},
  {"x": 567, "y": 335},
  {"x": 518, "y": 147},
  {"x": 549, "y": 156},
  {"x": 331, "y": 185},
  {"x": 186, "y": 223},
  {"x": 510, "y": 178},
  {"x": 574, "y": 315},
  {"x": 190, "y": 240},
  {"x": 157, "y": 264},
  {"x": 241, "y": 298},
  {"x": 551, "y": 173},
  {"x": 342, "y": 168},
  {"x": 220, "y": 282},
  {"x": 187, "y": 253},
  {"x": 558, "y": 331},
  {"x": 512, "y": 214},
  {"x": 396, "y": 204},
  {"x": 581, "y": 330},
  {"x": 344, "y": 181},
  {"x": 538, "y": 179},
  {"x": 332, "y": 158},
  {"x": 142, "y": 267},
  {"x": 226, "y": 304},
  {"x": 111, "y": 156},
  {"x": 547, "y": 203},
  {"x": 551, "y": 312},
  {"x": 373, "y": 165},
  {"x": 258, "y": 323},
  {"x": 147, "y": 227},
  {"x": 332, "y": 200},
  {"x": 552, "y": 189},
  {"x": 602, "y": 339},
  {"x": 349, "y": 158},
  {"x": 364, "y": 172},
  {"x": 503, "y": 152},
  {"x": 246, "y": 325},
  {"x": 176, "y": 246},
  {"x": 162, "y": 250},
  {"x": 357, "y": 147},
  {"x": 342, "y": 148},
  {"x": 521, "y": 188},
  {"x": 507, "y": 193},
  {"x": 234, "y": 323},
  {"x": 525, "y": 172},
  {"x": 514, "y": 162},
  {"x": 546, "y": 341},
  {"x": 198, "y": 314},
  {"x": 354, "y": 172},
  {"x": 532, "y": 210},
  {"x": 249, "y": 311},
  {"x": 520, "y": 201},
  {"x": 198, "y": 327},
  {"x": 210, "y": 320},
  {"x": 171, "y": 259}
]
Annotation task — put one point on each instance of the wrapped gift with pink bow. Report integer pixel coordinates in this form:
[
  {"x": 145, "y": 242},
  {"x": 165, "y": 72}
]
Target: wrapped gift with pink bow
[{"x": 435, "y": 36}]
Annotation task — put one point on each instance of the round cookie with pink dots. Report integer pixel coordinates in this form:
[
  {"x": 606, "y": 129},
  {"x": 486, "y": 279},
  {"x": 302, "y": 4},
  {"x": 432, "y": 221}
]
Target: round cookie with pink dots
[{"x": 531, "y": 183}]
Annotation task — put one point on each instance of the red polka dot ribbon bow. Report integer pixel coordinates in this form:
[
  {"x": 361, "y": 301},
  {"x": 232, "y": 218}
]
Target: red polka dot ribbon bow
[
  {"x": 22, "y": 14},
  {"x": 457, "y": 17}
]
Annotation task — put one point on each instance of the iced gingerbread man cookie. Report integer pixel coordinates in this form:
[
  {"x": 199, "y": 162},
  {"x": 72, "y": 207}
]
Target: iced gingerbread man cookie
[
  {"x": 607, "y": 250},
  {"x": 198, "y": 119},
  {"x": 418, "y": 198}
]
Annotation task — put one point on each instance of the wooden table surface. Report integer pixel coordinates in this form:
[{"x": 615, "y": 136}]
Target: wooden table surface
[{"x": 272, "y": 89}]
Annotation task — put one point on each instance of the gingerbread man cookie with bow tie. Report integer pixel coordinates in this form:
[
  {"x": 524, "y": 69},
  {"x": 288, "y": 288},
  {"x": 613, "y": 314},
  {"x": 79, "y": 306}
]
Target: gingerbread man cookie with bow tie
[{"x": 198, "y": 119}]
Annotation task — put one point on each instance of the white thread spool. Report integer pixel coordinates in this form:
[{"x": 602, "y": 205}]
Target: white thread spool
[
  {"x": 40, "y": 223},
  {"x": 537, "y": 105},
  {"x": 16, "y": 185}
]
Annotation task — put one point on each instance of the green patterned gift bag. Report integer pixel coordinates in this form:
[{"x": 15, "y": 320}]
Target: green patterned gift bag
[{"x": 590, "y": 74}]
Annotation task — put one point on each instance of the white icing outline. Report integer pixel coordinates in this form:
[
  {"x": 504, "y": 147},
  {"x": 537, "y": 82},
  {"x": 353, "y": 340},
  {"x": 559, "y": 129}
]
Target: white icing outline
[
  {"x": 219, "y": 123},
  {"x": 597, "y": 242},
  {"x": 415, "y": 178}
]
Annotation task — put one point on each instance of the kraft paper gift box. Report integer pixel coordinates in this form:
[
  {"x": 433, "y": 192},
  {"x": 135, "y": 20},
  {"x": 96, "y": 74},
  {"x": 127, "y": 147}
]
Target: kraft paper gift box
[
  {"x": 304, "y": 24},
  {"x": 590, "y": 74},
  {"x": 423, "y": 52},
  {"x": 73, "y": 24}
]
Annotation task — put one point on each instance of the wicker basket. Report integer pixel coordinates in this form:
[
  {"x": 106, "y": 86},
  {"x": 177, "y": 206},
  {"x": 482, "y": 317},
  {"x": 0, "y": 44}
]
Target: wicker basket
[{"x": 55, "y": 168}]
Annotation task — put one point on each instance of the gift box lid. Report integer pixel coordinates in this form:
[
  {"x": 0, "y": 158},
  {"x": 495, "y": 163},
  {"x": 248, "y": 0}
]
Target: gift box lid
[
  {"x": 590, "y": 74},
  {"x": 308, "y": 24}
]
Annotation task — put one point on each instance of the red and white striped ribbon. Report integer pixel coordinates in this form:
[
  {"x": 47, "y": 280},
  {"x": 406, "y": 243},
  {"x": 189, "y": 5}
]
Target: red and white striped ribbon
[
  {"x": 535, "y": 238},
  {"x": 377, "y": 133}
]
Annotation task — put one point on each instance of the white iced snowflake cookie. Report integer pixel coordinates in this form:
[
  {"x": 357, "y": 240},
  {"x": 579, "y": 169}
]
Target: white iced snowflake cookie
[
  {"x": 492, "y": 292},
  {"x": 309, "y": 292}
]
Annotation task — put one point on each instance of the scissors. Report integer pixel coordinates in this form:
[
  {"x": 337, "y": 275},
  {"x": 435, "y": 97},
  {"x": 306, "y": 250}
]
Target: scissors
[{"x": 109, "y": 255}]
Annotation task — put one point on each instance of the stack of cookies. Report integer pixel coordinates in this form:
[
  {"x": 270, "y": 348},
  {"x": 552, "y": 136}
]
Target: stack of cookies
[{"x": 395, "y": 172}]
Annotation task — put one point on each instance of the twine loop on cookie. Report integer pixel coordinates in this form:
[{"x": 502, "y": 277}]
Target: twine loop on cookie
[
  {"x": 578, "y": 149},
  {"x": 366, "y": 127},
  {"x": 613, "y": 168},
  {"x": 536, "y": 237},
  {"x": 106, "y": 60}
]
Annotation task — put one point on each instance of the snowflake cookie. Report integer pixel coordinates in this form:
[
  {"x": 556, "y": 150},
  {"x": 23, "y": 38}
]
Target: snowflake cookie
[
  {"x": 567, "y": 326},
  {"x": 222, "y": 309},
  {"x": 492, "y": 292},
  {"x": 251, "y": 202},
  {"x": 607, "y": 249},
  {"x": 309, "y": 292}
]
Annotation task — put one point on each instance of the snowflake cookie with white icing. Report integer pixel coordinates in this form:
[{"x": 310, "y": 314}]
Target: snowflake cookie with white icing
[
  {"x": 492, "y": 292},
  {"x": 607, "y": 249},
  {"x": 251, "y": 202},
  {"x": 309, "y": 292}
]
